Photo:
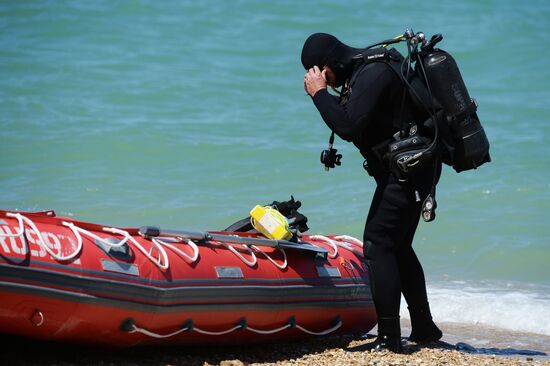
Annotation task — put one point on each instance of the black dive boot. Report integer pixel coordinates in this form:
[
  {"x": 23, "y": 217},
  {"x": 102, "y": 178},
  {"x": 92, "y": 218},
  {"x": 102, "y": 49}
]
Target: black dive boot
[
  {"x": 424, "y": 329},
  {"x": 389, "y": 335}
]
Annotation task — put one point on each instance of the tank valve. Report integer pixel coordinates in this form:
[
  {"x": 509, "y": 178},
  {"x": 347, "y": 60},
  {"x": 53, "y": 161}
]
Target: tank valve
[{"x": 421, "y": 38}]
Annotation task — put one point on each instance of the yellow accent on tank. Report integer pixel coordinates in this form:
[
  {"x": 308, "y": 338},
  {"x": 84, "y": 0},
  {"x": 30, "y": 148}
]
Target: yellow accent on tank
[{"x": 270, "y": 222}]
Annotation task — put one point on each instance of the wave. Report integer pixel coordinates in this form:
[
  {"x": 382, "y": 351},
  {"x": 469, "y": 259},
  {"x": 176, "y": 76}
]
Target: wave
[{"x": 510, "y": 307}]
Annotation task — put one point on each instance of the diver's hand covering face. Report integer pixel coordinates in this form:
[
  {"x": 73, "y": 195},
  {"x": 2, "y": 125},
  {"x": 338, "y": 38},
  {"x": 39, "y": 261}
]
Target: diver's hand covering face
[
  {"x": 315, "y": 80},
  {"x": 325, "y": 50}
]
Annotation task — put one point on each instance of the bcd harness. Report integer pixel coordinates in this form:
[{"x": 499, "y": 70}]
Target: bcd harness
[{"x": 432, "y": 81}]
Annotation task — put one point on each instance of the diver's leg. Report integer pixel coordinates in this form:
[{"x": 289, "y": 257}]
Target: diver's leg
[
  {"x": 413, "y": 286},
  {"x": 386, "y": 293},
  {"x": 413, "y": 282},
  {"x": 393, "y": 212}
]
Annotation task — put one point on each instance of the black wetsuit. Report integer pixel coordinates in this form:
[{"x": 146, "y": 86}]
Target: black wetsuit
[{"x": 374, "y": 108}]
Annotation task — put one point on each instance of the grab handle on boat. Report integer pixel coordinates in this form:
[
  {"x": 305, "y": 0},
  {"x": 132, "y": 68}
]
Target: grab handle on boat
[{"x": 152, "y": 231}]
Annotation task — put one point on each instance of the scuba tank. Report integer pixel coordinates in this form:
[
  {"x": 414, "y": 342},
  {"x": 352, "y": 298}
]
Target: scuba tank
[
  {"x": 452, "y": 133},
  {"x": 466, "y": 142}
]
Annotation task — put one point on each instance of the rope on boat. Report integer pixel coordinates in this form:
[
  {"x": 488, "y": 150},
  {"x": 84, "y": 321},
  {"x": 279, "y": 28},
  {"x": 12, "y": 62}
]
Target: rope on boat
[
  {"x": 202, "y": 331},
  {"x": 129, "y": 326},
  {"x": 162, "y": 264},
  {"x": 234, "y": 251},
  {"x": 21, "y": 227},
  {"x": 347, "y": 242},
  {"x": 162, "y": 260},
  {"x": 251, "y": 263},
  {"x": 24, "y": 220},
  {"x": 325, "y": 332},
  {"x": 280, "y": 266},
  {"x": 272, "y": 331},
  {"x": 343, "y": 241},
  {"x": 328, "y": 241},
  {"x": 350, "y": 238},
  {"x": 254, "y": 261},
  {"x": 194, "y": 246},
  {"x": 78, "y": 231},
  {"x": 137, "y": 329}
]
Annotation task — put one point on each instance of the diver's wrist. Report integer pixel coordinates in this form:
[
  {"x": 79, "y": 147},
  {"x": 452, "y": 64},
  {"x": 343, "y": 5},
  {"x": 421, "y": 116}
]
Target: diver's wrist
[{"x": 317, "y": 90}]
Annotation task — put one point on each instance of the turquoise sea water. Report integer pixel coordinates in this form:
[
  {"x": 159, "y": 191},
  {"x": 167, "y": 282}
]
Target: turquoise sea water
[{"x": 187, "y": 114}]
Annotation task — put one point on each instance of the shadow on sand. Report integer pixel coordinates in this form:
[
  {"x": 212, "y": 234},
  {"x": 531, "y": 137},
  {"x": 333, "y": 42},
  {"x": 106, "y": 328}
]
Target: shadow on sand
[
  {"x": 409, "y": 348},
  {"x": 23, "y": 351}
]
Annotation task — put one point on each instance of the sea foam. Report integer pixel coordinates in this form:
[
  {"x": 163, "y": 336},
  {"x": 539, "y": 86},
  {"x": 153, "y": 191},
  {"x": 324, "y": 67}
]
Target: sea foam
[{"x": 506, "y": 307}]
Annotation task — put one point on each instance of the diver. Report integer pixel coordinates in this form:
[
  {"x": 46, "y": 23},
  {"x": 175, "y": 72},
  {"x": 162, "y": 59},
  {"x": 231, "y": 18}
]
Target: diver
[{"x": 372, "y": 104}]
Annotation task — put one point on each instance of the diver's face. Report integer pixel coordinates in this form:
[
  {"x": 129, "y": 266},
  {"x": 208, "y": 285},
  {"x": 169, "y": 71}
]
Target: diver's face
[{"x": 330, "y": 76}]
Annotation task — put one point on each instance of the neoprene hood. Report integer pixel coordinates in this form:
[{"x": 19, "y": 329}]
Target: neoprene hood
[{"x": 322, "y": 49}]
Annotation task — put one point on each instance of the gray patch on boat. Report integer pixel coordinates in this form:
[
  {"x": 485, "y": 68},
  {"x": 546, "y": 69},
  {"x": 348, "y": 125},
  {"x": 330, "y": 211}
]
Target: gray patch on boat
[
  {"x": 229, "y": 272},
  {"x": 119, "y": 267},
  {"x": 328, "y": 272}
]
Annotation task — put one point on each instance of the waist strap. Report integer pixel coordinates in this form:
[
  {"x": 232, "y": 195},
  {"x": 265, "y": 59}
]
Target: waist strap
[{"x": 374, "y": 163}]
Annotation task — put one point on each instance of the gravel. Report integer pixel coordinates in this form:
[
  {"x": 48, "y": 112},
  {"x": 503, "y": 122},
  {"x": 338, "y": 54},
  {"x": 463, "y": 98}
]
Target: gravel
[{"x": 328, "y": 351}]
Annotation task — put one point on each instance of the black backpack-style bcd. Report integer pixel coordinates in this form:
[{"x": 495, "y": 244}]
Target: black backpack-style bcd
[{"x": 434, "y": 83}]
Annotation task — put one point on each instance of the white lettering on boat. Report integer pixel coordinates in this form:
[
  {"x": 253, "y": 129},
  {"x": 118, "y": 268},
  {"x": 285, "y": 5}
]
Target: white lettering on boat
[
  {"x": 21, "y": 244},
  {"x": 32, "y": 239},
  {"x": 52, "y": 241},
  {"x": 18, "y": 249},
  {"x": 6, "y": 231}
]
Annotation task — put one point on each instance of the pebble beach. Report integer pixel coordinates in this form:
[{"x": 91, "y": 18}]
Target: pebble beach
[{"x": 335, "y": 350}]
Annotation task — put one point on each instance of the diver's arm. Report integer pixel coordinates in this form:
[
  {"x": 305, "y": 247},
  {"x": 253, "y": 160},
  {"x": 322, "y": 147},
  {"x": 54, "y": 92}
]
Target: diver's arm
[
  {"x": 359, "y": 112},
  {"x": 334, "y": 115}
]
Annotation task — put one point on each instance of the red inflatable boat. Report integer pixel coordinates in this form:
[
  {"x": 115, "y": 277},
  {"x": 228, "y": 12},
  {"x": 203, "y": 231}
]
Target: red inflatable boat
[{"x": 66, "y": 280}]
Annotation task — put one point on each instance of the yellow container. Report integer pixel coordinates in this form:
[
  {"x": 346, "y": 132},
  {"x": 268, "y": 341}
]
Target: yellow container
[{"x": 270, "y": 223}]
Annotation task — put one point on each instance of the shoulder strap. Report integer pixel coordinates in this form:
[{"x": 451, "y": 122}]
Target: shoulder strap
[
  {"x": 394, "y": 60},
  {"x": 381, "y": 54},
  {"x": 367, "y": 57}
]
